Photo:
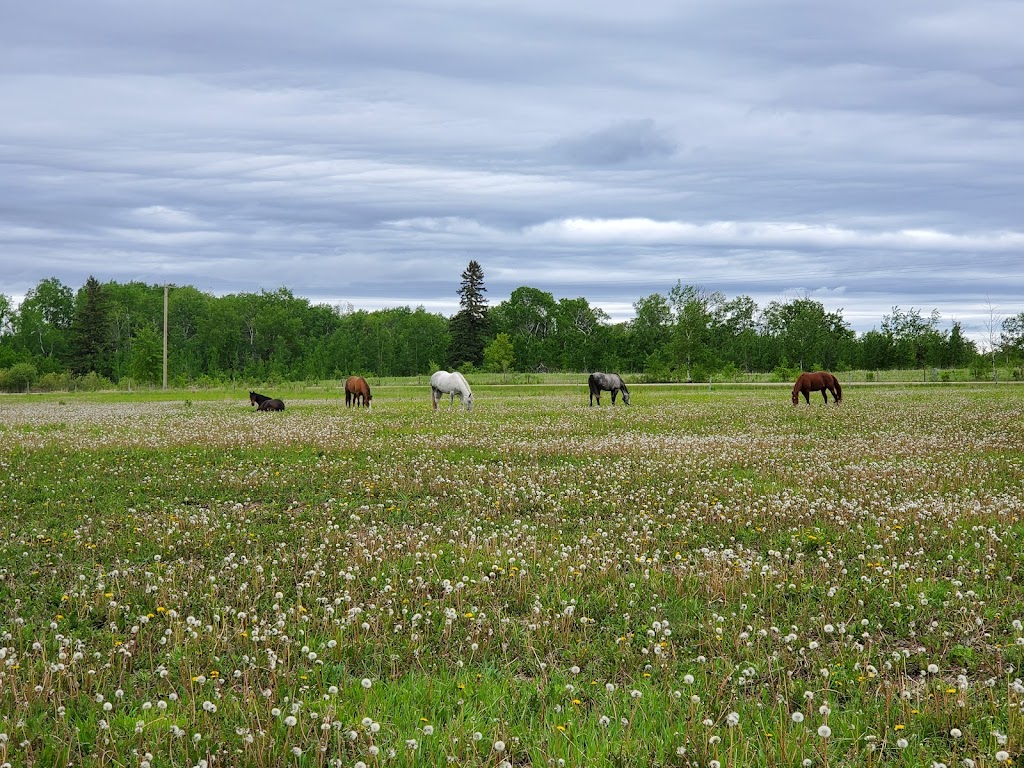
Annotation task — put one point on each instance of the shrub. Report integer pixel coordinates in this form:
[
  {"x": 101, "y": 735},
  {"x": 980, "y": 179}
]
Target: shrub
[
  {"x": 92, "y": 382},
  {"x": 55, "y": 382},
  {"x": 19, "y": 377}
]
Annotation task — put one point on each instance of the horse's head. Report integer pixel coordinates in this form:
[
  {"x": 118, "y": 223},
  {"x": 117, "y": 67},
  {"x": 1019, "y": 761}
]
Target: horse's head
[
  {"x": 468, "y": 400},
  {"x": 625, "y": 396},
  {"x": 796, "y": 395},
  {"x": 252, "y": 398}
]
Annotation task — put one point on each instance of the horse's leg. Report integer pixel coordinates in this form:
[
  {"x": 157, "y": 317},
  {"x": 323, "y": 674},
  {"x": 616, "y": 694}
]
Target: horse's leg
[
  {"x": 433, "y": 398},
  {"x": 824, "y": 393},
  {"x": 614, "y": 393},
  {"x": 807, "y": 396}
]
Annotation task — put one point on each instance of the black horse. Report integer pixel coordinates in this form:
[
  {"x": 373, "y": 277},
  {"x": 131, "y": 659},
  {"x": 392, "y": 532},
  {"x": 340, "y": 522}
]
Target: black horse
[
  {"x": 607, "y": 382},
  {"x": 264, "y": 403}
]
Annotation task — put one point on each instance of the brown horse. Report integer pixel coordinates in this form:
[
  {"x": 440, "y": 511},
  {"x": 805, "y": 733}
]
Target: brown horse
[
  {"x": 357, "y": 389},
  {"x": 264, "y": 403},
  {"x": 822, "y": 381}
]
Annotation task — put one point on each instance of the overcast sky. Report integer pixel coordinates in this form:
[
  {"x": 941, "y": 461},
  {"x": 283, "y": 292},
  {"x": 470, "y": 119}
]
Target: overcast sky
[{"x": 867, "y": 155}]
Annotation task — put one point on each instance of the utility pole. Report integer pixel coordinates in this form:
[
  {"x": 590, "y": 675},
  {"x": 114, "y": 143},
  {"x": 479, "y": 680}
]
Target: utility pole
[{"x": 165, "y": 335}]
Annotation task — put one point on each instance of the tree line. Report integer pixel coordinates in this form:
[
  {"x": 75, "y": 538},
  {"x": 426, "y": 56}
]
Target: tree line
[{"x": 105, "y": 334}]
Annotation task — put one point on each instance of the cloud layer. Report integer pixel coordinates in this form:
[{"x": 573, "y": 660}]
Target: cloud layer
[{"x": 867, "y": 156}]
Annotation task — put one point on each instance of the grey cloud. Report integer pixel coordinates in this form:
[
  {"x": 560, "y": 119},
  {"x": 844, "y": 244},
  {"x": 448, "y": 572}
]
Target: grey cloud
[
  {"x": 306, "y": 144},
  {"x": 622, "y": 142}
]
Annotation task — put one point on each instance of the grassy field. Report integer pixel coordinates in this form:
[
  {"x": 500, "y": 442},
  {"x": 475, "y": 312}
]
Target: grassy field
[{"x": 709, "y": 577}]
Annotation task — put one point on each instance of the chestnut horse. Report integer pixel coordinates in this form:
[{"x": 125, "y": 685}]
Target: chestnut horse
[
  {"x": 822, "y": 381},
  {"x": 357, "y": 389},
  {"x": 264, "y": 403}
]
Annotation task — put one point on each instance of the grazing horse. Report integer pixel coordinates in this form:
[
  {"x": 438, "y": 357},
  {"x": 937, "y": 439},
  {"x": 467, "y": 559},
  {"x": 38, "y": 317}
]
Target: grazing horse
[
  {"x": 822, "y": 381},
  {"x": 264, "y": 403},
  {"x": 608, "y": 382},
  {"x": 356, "y": 390},
  {"x": 452, "y": 384}
]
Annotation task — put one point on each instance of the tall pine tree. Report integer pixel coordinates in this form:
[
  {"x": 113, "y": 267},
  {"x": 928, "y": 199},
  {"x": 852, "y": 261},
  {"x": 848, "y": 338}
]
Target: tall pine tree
[
  {"x": 469, "y": 325},
  {"x": 90, "y": 345}
]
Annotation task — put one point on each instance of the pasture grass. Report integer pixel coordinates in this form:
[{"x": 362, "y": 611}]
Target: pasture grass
[{"x": 705, "y": 577}]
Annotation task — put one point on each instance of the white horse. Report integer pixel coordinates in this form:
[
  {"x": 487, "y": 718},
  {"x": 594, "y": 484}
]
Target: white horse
[{"x": 452, "y": 384}]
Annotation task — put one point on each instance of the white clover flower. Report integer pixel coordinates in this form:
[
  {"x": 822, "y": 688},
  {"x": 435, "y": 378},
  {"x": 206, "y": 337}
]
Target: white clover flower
[
  {"x": 824, "y": 731},
  {"x": 499, "y": 747},
  {"x": 366, "y": 683},
  {"x": 798, "y": 717},
  {"x": 902, "y": 743},
  {"x": 1002, "y": 756},
  {"x": 956, "y": 733},
  {"x": 428, "y": 730},
  {"x": 290, "y": 721},
  {"x": 732, "y": 719}
]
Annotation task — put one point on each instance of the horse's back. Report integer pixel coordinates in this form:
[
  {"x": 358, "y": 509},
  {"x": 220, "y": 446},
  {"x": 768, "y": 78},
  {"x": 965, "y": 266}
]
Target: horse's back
[
  {"x": 356, "y": 385},
  {"x": 449, "y": 381}
]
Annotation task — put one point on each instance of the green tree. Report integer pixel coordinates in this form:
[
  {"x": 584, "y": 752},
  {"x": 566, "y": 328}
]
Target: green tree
[
  {"x": 90, "y": 331},
  {"x": 469, "y": 325},
  {"x": 959, "y": 349},
  {"x": 499, "y": 355},
  {"x": 146, "y": 362},
  {"x": 530, "y": 318},
  {"x": 806, "y": 334},
  {"x": 735, "y": 329},
  {"x": 6, "y": 315},
  {"x": 916, "y": 340},
  {"x": 694, "y": 310},
  {"x": 1011, "y": 339},
  {"x": 579, "y": 331},
  {"x": 43, "y": 322}
]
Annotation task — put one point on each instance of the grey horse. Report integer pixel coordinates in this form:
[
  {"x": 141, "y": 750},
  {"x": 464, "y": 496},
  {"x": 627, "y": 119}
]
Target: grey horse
[{"x": 608, "y": 382}]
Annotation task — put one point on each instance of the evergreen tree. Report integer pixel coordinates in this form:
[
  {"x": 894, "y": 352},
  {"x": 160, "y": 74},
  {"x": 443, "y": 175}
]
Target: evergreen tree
[
  {"x": 90, "y": 331},
  {"x": 469, "y": 325}
]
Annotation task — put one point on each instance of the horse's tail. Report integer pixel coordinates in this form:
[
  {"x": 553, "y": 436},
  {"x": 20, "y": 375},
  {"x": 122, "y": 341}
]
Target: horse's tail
[{"x": 839, "y": 389}]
